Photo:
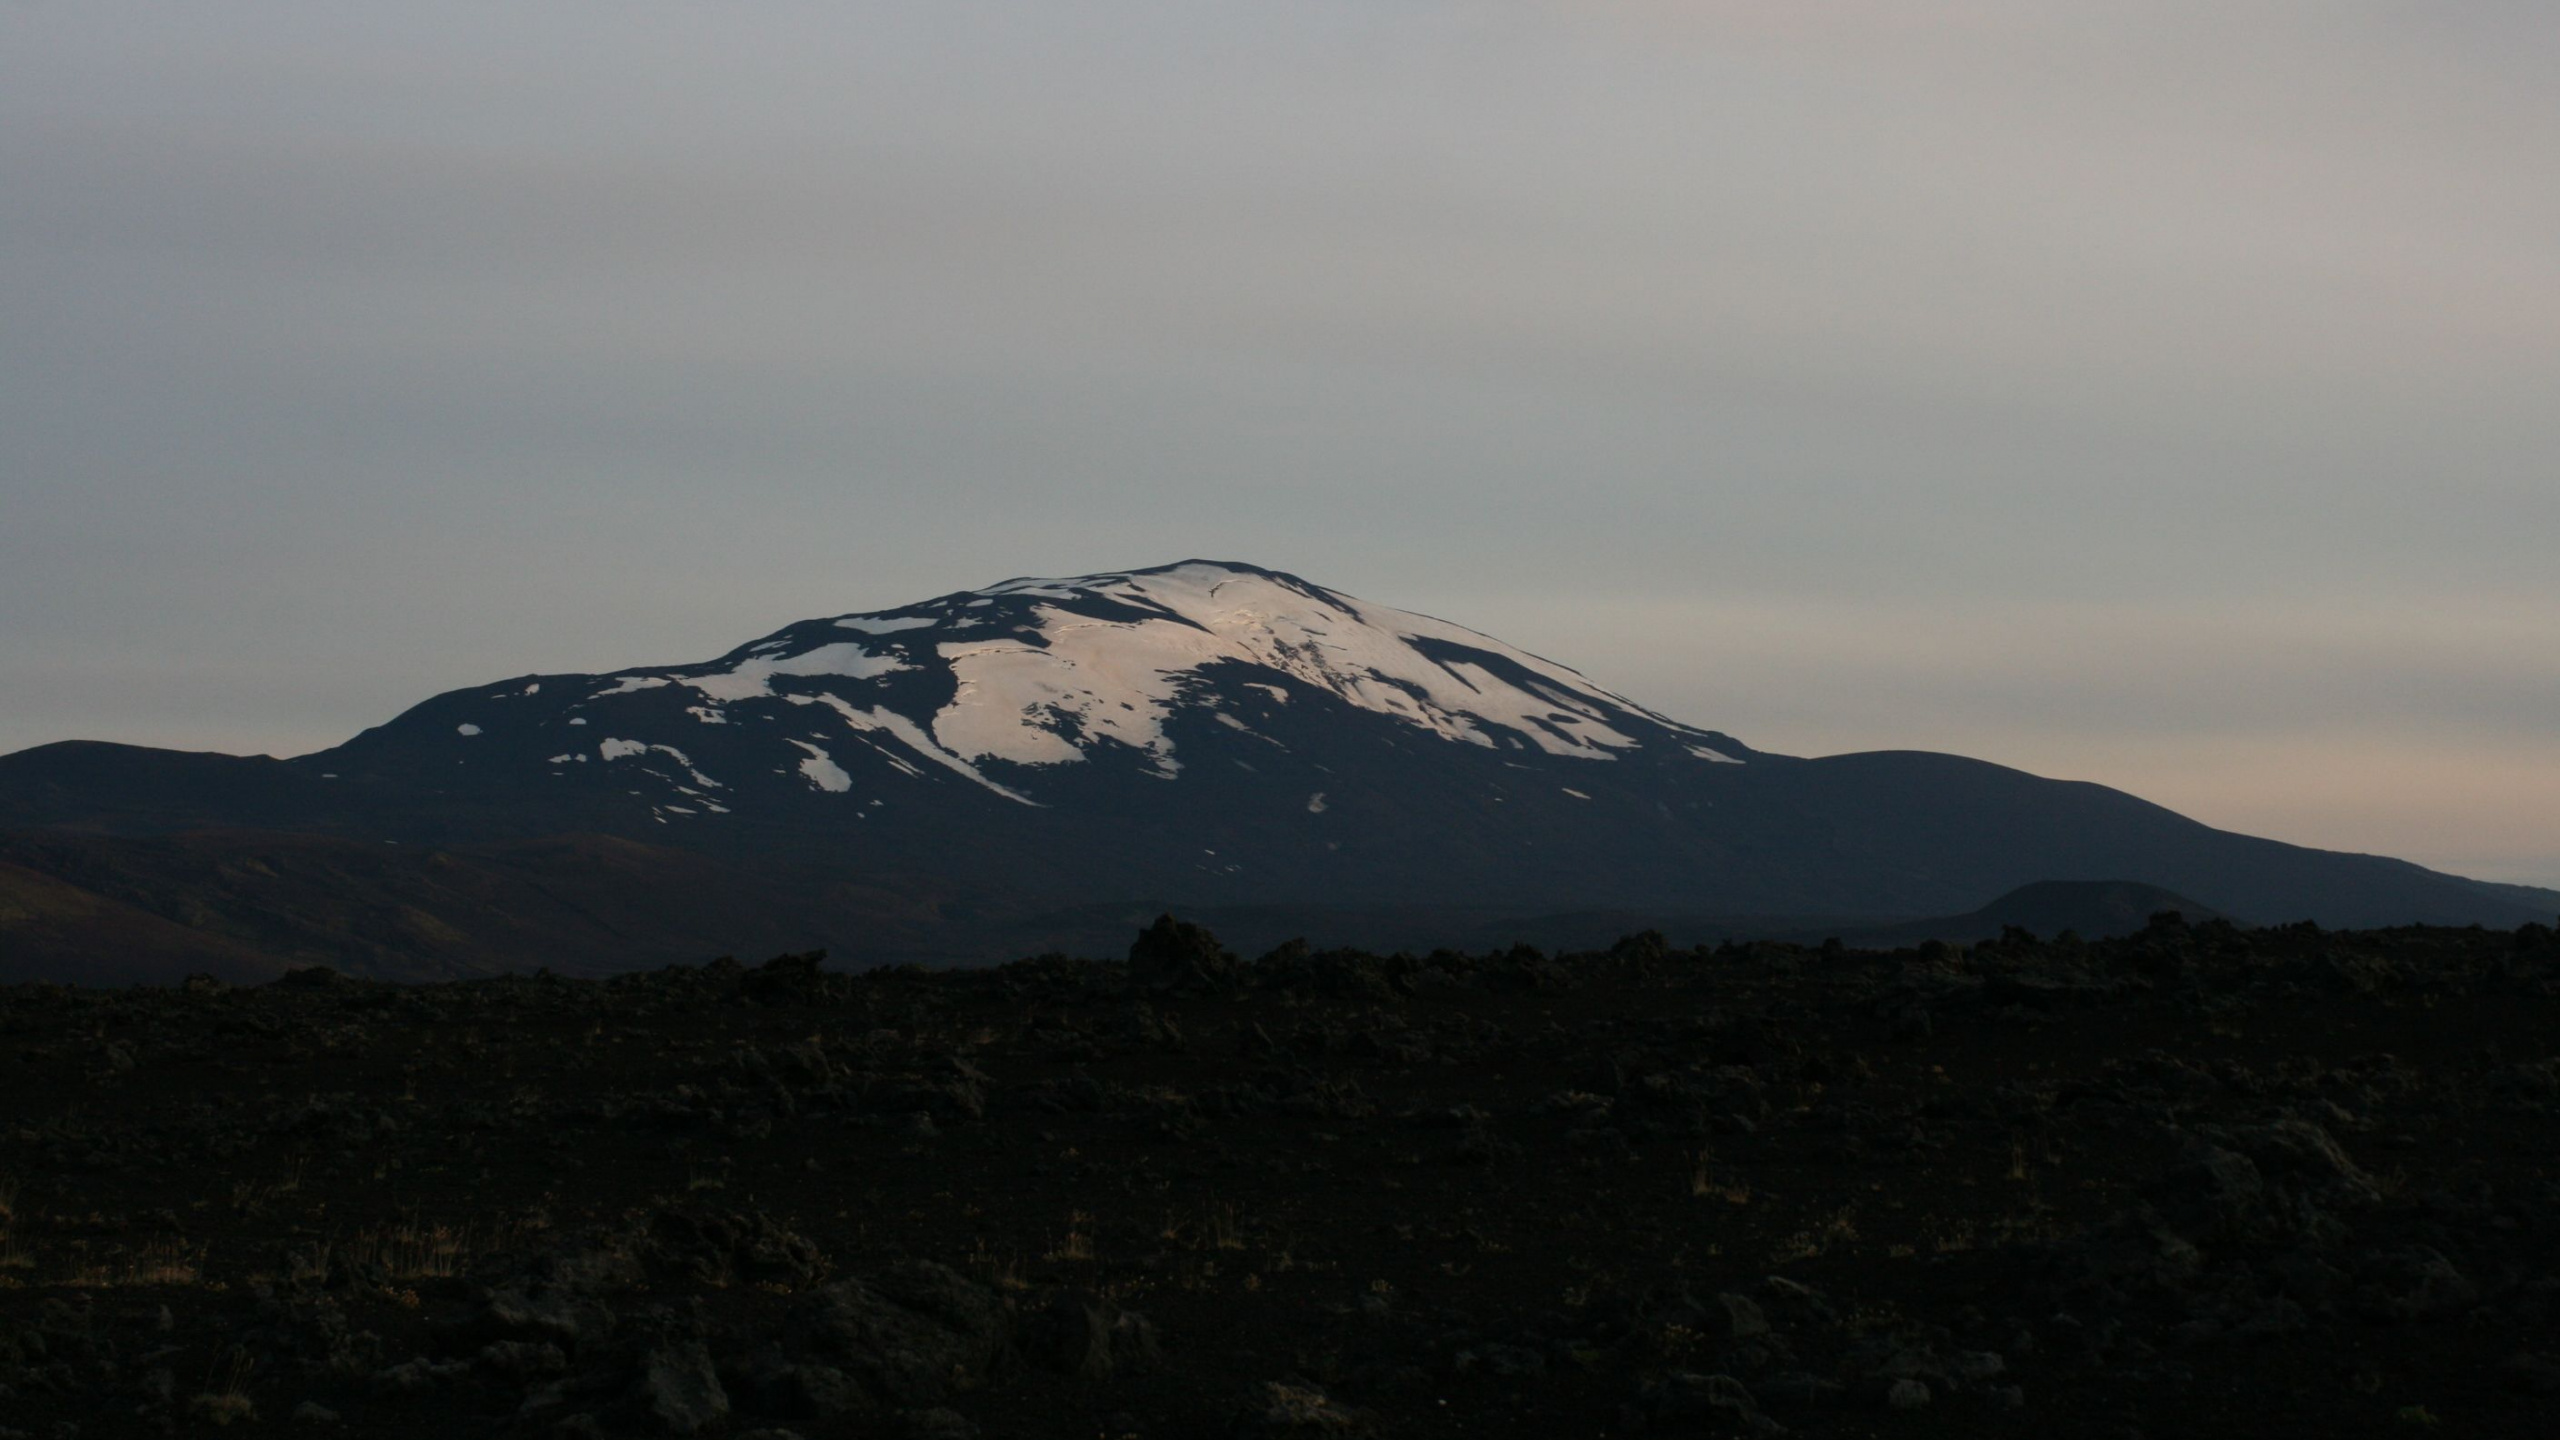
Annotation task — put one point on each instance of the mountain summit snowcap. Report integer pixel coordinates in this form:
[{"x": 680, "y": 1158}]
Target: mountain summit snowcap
[{"x": 1044, "y": 671}]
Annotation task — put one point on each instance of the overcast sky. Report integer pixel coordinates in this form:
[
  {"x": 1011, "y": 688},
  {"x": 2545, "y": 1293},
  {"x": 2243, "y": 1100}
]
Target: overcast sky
[{"x": 2159, "y": 393}]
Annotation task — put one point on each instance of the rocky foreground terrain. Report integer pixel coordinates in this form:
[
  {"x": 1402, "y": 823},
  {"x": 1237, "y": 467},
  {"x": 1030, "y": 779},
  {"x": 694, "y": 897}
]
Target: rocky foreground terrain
[{"x": 2196, "y": 1181}]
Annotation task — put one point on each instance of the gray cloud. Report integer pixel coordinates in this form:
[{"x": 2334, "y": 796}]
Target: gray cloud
[{"x": 2114, "y": 389}]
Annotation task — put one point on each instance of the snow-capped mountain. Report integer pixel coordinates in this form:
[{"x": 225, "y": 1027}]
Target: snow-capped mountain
[
  {"x": 1024, "y": 690},
  {"x": 1206, "y": 734}
]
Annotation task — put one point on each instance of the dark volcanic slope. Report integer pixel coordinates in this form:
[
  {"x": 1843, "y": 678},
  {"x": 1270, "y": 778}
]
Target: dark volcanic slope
[
  {"x": 108, "y": 910},
  {"x": 2198, "y": 1182},
  {"x": 1205, "y": 735},
  {"x": 53, "y": 929}
]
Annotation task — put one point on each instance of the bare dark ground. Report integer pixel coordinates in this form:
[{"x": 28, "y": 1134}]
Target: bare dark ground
[{"x": 2195, "y": 1182}]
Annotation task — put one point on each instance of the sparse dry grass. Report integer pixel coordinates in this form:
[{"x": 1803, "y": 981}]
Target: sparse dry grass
[
  {"x": 166, "y": 1261},
  {"x": 250, "y": 1197},
  {"x": 1839, "y": 1228},
  {"x": 1216, "y": 1229},
  {"x": 14, "y": 1254},
  {"x": 1078, "y": 1244},
  {"x": 410, "y": 1249},
  {"x": 1003, "y": 1271},
  {"x": 225, "y": 1400},
  {"x": 1704, "y": 1186}
]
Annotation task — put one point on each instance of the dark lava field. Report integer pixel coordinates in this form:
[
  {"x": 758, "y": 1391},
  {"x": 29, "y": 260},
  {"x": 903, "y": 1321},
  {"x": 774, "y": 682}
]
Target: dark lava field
[{"x": 2198, "y": 1181}]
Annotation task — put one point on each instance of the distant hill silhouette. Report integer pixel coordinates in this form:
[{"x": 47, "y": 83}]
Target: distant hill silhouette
[{"x": 2091, "y": 909}]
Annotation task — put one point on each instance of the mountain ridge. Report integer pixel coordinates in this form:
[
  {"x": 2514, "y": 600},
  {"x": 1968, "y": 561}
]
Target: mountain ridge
[{"x": 1206, "y": 734}]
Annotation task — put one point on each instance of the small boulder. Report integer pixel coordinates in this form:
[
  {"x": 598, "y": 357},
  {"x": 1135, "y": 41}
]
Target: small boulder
[
  {"x": 2529, "y": 1374},
  {"x": 908, "y": 1336},
  {"x": 1684, "y": 1402},
  {"x": 682, "y": 1390},
  {"x": 1177, "y": 955},
  {"x": 936, "y": 1423},
  {"x": 1089, "y": 1339},
  {"x": 785, "y": 980},
  {"x": 1287, "y": 1409},
  {"x": 2413, "y": 1284},
  {"x": 1739, "y": 1317}
]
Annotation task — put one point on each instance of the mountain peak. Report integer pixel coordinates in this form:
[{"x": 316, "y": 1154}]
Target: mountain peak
[
  {"x": 1042, "y": 670},
  {"x": 1212, "y": 732},
  {"x": 1083, "y": 690}
]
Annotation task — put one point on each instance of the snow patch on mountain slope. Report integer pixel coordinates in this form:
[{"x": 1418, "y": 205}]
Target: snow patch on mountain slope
[
  {"x": 613, "y": 749},
  {"x": 1090, "y": 677},
  {"x": 631, "y": 683},
  {"x": 1014, "y": 698},
  {"x": 882, "y": 718},
  {"x": 885, "y": 624},
  {"x": 823, "y": 771},
  {"x": 751, "y": 678}
]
